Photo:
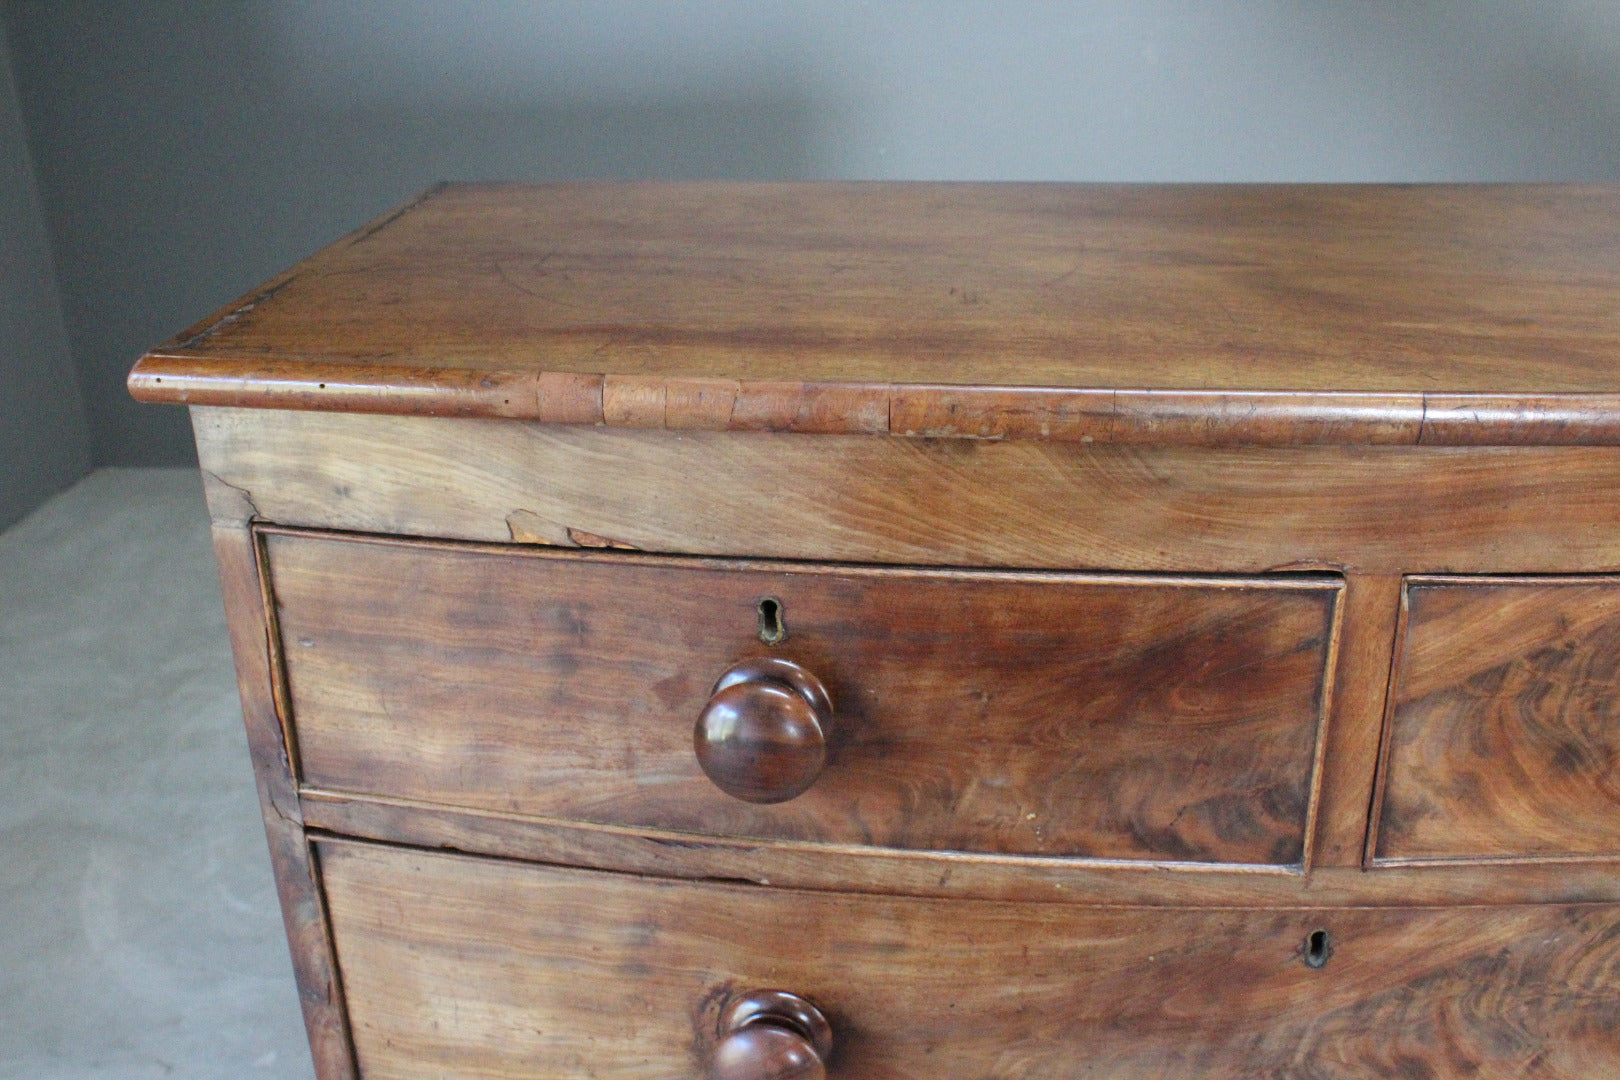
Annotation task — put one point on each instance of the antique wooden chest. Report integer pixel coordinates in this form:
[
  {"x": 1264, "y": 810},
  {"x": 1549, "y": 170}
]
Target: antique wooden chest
[{"x": 939, "y": 632}]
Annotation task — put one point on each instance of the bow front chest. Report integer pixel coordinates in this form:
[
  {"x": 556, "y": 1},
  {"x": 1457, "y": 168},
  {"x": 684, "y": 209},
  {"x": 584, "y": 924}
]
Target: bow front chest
[{"x": 936, "y": 632}]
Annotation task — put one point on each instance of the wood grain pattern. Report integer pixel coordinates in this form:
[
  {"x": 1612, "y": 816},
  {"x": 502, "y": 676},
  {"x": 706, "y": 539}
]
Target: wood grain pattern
[
  {"x": 1382, "y": 510},
  {"x": 1080, "y": 812},
  {"x": 303, "y": 907},
  {"x": 1521, "y": 420},
  {"x": 1504, "y": 733},
  {"x": 763, "y": 734},
  {"x": 771, "y": 1035},
  {"x": 1162, "y": 417},
  {"x": 893, "y": 871},
  {"x": 492, "y": 970},
  {"x": 1167, "y": 313},
  {"x": 1095, "y": 716},
  {"x": 1371, "y": 609}
]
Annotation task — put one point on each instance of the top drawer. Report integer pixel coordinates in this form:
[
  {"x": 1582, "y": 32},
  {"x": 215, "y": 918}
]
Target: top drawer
[
  {"x": 1105, "y": 716},
  {"x": 1503, "y": 736}
]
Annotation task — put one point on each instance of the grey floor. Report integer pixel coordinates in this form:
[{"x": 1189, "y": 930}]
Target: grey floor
[{"x": 139, "y": 933}]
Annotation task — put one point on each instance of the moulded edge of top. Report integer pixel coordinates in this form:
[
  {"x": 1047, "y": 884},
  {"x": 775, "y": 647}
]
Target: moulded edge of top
[{"x": 917, "y": 410}]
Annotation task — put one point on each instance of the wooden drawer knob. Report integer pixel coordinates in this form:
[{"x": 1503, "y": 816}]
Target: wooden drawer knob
[
  {"x": 763, "y": 735},
  {"x": 771, "y": 1035}
]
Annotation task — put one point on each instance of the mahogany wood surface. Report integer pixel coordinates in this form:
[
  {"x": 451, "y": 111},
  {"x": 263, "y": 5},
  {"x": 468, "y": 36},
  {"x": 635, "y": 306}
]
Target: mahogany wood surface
[
  {"x": 1381, "y": 510},
  {"x": 1371, "y": 609},
  {"x": 1220, "y": 674},
  {"x": 479, "y": 968},
  {"x": 1504, "y": 733},
  {"x": 762, "y": 737},
  {"x": 855, "y": 868},
  {"x": 1136, "y": 313},
  {"x": 303, "y": 906},
  {"x": 771, "y": 1035},
  {"x": 1086, "y": 715}
]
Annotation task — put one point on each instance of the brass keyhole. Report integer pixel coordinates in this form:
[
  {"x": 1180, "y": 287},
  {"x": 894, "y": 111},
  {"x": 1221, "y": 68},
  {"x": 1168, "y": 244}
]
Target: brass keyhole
[{"x": 771, "y": 627}]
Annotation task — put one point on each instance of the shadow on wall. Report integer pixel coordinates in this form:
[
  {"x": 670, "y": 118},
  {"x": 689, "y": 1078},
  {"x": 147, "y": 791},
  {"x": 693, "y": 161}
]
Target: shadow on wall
[
  {"x": 187, "y": 151},
  {"x": 44, "y": 440},
  {"x": 182, "y": 161}
]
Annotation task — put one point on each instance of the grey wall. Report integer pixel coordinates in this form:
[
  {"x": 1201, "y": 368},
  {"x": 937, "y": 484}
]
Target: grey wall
[
  {"x": 187, "y": 151},
  {"x": 44, "y": 442}
]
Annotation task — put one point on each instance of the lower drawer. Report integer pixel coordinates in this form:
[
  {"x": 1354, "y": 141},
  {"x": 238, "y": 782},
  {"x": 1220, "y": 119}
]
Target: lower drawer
[{"x": 454, "y": 965}]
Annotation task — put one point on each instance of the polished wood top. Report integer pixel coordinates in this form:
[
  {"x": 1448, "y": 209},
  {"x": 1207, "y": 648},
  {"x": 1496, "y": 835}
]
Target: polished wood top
[{"x": 1167, "y": 313}]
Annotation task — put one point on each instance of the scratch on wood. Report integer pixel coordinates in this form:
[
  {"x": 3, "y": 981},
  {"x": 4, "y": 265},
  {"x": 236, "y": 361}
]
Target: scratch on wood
[
  {"x": 227, "y": 501},
  {"x": 368, "y": 231},
  {"x": 237, "y": 313}
]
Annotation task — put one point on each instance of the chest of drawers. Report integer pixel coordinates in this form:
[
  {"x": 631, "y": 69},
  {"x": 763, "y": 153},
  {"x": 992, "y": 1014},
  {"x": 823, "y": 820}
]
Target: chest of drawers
[{"x": 935, "y": 631}]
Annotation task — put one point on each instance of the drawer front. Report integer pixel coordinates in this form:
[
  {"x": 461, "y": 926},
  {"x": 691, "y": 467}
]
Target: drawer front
[
  {"x": 1032, "y": 714},
  {"x": 467, "y": 967},
  {"x": 1504, "y": 730}
]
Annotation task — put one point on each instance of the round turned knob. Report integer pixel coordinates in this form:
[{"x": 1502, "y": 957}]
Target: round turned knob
[
  {"x": 771, "y": 1035},
  {"x": 763, "y": 735}
]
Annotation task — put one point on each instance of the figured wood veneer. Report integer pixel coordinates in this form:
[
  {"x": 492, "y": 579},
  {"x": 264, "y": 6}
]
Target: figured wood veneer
[
  {"x": 1194, "y": 314},
  {"x": 478, "y": 968},
  {"x": 941, "y": 502},
  {"x": 1504, "y": 733},
  {"x": 1081, "y": 715},
  {"x": 1204, "y": 601},
  {"x": 893, "y": 871}
]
